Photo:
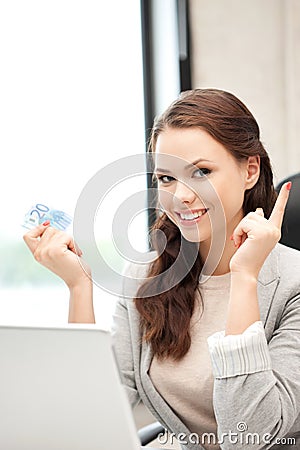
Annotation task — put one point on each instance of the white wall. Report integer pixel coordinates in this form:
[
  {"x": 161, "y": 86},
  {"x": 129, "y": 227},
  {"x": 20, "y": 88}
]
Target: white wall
[{"x": 251, "y": 48}]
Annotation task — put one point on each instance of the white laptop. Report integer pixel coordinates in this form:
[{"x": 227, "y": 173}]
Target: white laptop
[{"x": 60, "y": 389}]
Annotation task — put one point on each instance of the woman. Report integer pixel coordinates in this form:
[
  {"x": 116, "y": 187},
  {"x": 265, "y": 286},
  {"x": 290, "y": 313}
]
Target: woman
[{"x": 215, "y": 358}]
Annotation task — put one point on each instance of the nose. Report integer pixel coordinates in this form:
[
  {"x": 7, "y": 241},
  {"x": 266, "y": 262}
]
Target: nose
[{"x": 184, "y": 193}]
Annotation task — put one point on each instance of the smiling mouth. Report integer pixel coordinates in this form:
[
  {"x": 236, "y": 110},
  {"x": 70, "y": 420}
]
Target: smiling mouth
[{"x": 191, "y": 217}]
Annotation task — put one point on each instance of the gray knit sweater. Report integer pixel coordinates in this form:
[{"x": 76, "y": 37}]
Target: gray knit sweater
[{"x": 267, "y": 401}]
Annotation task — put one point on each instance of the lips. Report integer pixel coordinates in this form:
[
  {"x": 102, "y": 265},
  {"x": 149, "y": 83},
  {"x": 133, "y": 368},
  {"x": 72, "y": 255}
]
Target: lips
[{"x": 190, "y": 217}]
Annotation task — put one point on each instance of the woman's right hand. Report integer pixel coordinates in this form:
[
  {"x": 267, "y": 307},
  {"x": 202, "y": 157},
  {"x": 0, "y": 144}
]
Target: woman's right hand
[{"x": 57, "y": 251}]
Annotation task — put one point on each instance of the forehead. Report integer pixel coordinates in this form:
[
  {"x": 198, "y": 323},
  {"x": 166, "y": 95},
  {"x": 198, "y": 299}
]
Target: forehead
[{"x": 189, "y": 144}]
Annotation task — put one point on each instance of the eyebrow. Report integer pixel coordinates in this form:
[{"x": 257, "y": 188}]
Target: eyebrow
[{"x": 186, "y": 167}]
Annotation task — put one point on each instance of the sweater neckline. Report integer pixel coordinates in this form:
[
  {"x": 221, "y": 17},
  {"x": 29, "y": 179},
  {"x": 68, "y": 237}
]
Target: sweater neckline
[{"x": 219, "y": 282}]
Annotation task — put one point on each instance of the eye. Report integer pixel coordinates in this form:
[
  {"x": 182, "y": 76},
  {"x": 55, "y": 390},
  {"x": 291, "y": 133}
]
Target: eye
[
  {"x": 200, "y": 173},
  {"x": 164, "y": 179}
]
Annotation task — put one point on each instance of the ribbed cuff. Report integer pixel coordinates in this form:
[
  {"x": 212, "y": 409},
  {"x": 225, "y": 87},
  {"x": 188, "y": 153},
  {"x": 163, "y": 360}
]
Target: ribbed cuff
[{"x": 239, "y": 354}]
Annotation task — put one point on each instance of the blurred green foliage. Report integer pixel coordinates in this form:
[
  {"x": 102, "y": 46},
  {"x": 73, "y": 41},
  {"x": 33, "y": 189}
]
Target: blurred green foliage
[{"x": 19, "y": 268}]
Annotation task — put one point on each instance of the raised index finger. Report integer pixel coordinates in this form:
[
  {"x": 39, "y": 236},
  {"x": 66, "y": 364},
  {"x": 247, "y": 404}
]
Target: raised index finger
[{"x": 277, "y": 214}]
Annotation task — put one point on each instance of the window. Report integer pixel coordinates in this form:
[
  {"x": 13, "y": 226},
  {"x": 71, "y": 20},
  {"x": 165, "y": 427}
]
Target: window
[{"x": 71, "y": 103}]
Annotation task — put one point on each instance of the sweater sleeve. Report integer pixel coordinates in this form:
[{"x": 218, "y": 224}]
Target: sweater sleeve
[{"x": 257, "y": 384}]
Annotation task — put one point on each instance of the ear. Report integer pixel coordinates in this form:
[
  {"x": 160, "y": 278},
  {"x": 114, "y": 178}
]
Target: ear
[{"x": 252, "y": 171}]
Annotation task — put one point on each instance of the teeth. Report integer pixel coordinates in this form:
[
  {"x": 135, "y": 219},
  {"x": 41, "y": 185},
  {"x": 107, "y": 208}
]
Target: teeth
[{"x": 190, "y": 216}]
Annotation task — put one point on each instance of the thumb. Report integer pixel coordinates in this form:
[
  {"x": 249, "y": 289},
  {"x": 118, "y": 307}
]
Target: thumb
[
  {"x": 32, "y": 237},
  {"x": 260, "y": 212}
]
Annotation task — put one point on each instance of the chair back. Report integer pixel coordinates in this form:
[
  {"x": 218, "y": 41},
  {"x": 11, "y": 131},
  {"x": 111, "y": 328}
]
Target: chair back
[{"x": 290, "y": 233}]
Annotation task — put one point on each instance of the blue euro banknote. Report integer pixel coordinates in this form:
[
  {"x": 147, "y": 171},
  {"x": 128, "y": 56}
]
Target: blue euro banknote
[{"x": 40, "y": 213}]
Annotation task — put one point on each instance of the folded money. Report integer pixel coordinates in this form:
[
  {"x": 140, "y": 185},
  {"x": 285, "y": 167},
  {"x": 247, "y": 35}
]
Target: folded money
[{"x": 39, "y": 213}]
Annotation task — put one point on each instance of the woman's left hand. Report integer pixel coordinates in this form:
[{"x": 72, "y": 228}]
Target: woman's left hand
[{"x": 256, "y": 236}]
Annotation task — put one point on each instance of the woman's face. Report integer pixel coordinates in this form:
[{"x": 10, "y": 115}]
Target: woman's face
[{"x": 200, "y": 185}]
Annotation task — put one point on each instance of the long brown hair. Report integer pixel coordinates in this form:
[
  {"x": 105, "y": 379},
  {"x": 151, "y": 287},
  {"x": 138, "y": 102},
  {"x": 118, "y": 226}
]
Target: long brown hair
[{"x": 165, "y": 318}]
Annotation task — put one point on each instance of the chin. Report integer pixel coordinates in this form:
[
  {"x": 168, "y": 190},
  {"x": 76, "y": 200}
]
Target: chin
[{"x": 192, "y": 236}]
